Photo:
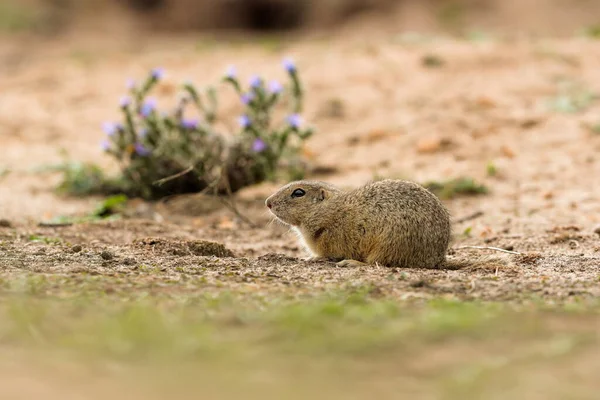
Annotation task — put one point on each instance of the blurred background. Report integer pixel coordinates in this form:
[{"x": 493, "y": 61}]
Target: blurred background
[{"x": 60, "y": 17}]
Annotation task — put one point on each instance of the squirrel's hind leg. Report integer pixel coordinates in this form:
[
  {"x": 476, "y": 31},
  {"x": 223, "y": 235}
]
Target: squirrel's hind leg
[{"x": 351, "y": 263}]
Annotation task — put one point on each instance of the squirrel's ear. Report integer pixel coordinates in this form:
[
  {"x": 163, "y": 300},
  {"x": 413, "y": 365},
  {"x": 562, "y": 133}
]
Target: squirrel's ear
[{"x": 323, "y": 194}]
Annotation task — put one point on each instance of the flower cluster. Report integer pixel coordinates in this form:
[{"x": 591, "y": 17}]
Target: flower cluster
[
  {"x": 270, "y": 141},
  {"x": 151, "y": 144},
  {"x": 145, "y": 130}
]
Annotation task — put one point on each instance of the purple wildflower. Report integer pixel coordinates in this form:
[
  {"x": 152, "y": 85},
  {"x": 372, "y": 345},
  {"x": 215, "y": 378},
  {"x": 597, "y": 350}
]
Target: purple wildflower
[
  {"x": 140, "y": 150},
  {"x": 294, "y": 120},
  {"x": 110, "y": 128},
  {"x": 247, "y": 98},
  {"x": 158, "y": 73},
  {"x": 244, "y": 121},
  {"x": 190, "y": 124},
  {"x": 275, "y": 87},
  {"x": 105, "y": 145},
  {"x": 289, "y": 65},
  {"x": 148, "y": 108},
  {"x": 231, "y": 72},
  {"x": 255, "y": 82},
  {"x": 125, "y": 101},
  {"x": 259, "y": 145}
]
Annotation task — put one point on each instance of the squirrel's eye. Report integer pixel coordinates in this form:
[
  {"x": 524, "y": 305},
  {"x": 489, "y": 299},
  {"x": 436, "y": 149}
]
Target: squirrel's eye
[{"x": 298, "y": 193}]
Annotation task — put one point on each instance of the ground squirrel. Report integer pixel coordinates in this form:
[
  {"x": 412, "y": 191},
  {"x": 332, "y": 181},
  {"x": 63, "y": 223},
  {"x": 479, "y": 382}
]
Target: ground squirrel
[{"x": 390, "y": 222}]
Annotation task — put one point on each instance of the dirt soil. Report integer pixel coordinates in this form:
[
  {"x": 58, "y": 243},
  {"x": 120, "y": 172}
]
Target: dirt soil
[{"x": 382, "y": 108}]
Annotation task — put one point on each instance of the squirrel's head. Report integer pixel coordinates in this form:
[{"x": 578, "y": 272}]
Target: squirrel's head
[{"x": 295, "y": 201}]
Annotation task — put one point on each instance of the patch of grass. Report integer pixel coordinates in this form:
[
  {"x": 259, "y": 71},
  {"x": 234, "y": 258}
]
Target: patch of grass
[
  {"x": 432, "y": 61},
  {"x": 4, "y": 171},
  {"x": 592, "y": 128},
  {"x": 332, "y": 338},
  {"x": 82, "y": 179},
  {"x": 345, "y": 322},
  {"x": 44, "y": 239},
  {"x": 452, "y": 188},
  {"x": 206, "y": 44},
  {"x": 271, "y": 43},
  {"x": 110, "y": 206},
  {"x": 75, "y": 313},
  {"x": 479, "y": 36},
  {"x": 16, "y": 18},
  {"x": 451, "y": 15},
  {"x": 467, "y": 231},
  {"x": 492, "y": 373},
  {"x": 491, "y": 169},
  {"x": 83, "y": 56},
  {"x": 592, "y": 31},
  {"x": 572, "y": 98},
  {"x": 412, "y": 38}
]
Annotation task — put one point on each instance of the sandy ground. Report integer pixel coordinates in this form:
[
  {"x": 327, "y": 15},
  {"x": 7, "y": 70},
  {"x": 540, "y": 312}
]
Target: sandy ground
[{"x": 488, "y": 103}]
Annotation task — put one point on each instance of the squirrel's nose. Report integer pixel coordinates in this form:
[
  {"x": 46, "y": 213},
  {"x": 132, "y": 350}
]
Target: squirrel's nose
[{"x": 268, "y": 203}]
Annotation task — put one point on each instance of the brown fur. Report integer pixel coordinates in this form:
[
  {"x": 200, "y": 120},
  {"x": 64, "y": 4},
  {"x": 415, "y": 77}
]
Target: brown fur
[{"x": 390, "y": 222}]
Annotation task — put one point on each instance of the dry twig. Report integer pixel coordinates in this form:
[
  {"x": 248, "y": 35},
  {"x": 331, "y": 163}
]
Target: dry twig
[
  {"x": 469, "y": 217},
  {"x": 489, "y": 248}
]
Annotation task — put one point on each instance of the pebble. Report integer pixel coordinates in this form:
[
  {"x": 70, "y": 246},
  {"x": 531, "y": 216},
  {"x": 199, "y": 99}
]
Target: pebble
[
  {"x": 77, "y": 248},
  {"x": 597, "y": 230},
  {"x": 429, "y": 145},
  {"x": 107, "y": 255},
  {"x": 4, "y": 223}
]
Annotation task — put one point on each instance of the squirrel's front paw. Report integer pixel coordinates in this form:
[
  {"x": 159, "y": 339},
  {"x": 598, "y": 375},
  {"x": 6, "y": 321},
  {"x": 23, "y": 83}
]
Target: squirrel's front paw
[{"x": 350, "y": 263}]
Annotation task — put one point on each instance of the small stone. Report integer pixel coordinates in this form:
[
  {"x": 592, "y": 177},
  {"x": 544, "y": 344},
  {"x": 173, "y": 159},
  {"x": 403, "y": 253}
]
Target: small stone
[
  {"x": 376, "y": 135},
  {"x": 420, "y": 283},
  {"x": 548, "y": 195},
  {"x": 129, "y": 261},
  {"x": 485, "y": 102},
  {"x": 507, "y": 152},
  {"x": 77, "y": 248},
  {"x": 597, "y": 230},
  {"x": 432, "y": 61},
  {"x": 433, "y": 144},
  {"x": 107, "y": 255},
  {"x": 429, "y": 145},
  {"x": 529, "y": 123},
  {"x": 333, "y": 108},
  {"x": 4, "y": 223}
]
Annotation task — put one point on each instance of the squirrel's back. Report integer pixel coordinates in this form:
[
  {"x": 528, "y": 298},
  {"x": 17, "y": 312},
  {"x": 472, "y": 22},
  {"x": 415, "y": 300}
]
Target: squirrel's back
[{"x": 405, "y": 224}]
